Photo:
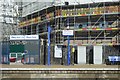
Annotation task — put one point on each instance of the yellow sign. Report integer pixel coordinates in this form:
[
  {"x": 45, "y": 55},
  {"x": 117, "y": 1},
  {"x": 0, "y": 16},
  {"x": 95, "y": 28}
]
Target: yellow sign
[{"x": 73, "y": 49}]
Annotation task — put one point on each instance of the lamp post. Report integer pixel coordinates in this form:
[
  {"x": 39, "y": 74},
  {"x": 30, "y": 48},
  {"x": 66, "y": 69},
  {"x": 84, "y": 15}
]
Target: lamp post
[
  {"x": 68, "y": 37},
  {"x": 68, "y": 33},
  {"x": 68, "y": 54},
  {"x": 49, "y": 30}
]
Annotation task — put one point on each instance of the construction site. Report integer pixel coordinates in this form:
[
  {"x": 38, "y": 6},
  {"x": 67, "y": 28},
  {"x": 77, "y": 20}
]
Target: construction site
[
  {"x": 95, "y": 28},
  {"x": 80, "y": 41}
]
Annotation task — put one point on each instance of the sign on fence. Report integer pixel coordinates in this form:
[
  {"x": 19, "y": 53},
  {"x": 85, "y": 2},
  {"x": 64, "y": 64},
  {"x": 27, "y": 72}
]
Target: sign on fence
[
  {"x": 24, "y": 37},
  {"x": 114, "y": 58},
  {"x": 67, "y": 32},
  {"x": 58, "y": 52}
]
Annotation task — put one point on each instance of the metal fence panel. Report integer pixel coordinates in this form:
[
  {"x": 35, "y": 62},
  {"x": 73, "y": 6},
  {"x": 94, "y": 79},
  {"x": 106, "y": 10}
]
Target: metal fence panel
[
  {"x": 5, "y": 52},
  {"x": 33, "y": 52}
]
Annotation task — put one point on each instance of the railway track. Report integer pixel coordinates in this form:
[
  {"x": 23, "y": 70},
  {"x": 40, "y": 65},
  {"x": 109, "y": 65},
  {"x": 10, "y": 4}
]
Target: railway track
[{"x": 79, "y": 72}]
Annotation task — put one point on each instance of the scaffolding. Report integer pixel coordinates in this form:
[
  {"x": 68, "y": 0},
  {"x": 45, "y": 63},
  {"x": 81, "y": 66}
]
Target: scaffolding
[
  {"x": 9, "y": 19},
  {"x": 96, "y": 22},
  {"x": 93, "y": 24}
]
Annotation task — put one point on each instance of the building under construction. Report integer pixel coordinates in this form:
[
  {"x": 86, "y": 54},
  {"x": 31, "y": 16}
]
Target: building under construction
[{"x": 95, "y": 29}]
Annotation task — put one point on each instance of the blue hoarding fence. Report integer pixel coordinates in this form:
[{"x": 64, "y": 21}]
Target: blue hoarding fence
[{"x": 5, "y": 52}]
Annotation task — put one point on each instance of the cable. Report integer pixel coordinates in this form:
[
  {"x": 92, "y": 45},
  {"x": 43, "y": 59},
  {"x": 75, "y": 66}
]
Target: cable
[
  {"x": 93, "y": 1},
  {"x": 77, "y": 2}
]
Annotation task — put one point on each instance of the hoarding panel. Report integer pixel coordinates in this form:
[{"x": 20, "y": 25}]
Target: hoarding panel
[
  {"x": 81, "y": 59},
  {"x": 97, "y": 54}
]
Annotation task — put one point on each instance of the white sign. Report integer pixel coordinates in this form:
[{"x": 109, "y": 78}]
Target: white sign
[
  {"x": 24, "y": 37},
  {"x": 67, "y": 32},
  {"x": 58, "y": 52},
  {"x": 114, "y": 58},
  {"x": 31, "y": 37},
  {"x": 17, "y": 37}
]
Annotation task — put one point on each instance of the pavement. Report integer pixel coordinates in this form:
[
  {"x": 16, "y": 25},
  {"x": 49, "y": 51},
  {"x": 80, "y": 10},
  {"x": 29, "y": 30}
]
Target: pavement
[{"x": 59, "y": 66}]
